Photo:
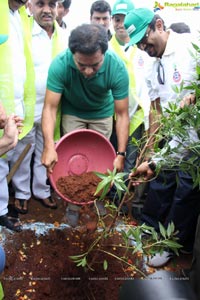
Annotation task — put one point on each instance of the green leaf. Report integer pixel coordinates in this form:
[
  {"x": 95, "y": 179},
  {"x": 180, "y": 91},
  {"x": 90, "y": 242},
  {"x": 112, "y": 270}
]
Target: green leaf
[
  {"x": 175, "y": 88},
  {"x": 196, "y": 47},
  {"x": 77, "y": 257},
  {"x": 84, "y": 262},
  {"x": 172, "y": 244},
  {"x": 119, "y": 186},
  {"x": 102, "y": 185},
  {"x": 105, "y": 265},
  {"x": 100, "y": 175},
  {"x": 162, "y": 230}
]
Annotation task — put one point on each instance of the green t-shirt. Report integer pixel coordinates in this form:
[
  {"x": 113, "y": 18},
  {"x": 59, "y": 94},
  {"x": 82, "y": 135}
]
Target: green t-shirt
[{"x": 88, "y": 98}]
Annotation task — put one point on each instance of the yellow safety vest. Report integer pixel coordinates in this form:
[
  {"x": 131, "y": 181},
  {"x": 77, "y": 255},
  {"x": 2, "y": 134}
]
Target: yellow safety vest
[
  {"x": 138, "y": 116},
  {"x": 6, "y": 74}
]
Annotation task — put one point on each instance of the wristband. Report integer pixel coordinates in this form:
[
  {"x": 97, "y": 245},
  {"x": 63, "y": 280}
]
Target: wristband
[
  {"x": 121, "y": 153},
  {"x": 151, "y": 165}
]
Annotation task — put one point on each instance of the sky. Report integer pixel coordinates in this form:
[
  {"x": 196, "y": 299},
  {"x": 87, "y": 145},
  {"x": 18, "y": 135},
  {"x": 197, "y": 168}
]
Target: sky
[{"x": 80, "y": 12}]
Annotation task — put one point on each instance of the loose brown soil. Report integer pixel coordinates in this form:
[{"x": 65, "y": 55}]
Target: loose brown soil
[
  {"x": 79, "y": 188},
  {"x": 38, "y": 264}
]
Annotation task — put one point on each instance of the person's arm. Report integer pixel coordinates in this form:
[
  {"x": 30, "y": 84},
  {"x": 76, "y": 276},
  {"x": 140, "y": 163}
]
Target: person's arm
[
  {"x": 122, "y": 131},
  {"x": 144, "y": 172},
  {"x": 49, "y": 155},
  {"x": 10, "y": 135}
]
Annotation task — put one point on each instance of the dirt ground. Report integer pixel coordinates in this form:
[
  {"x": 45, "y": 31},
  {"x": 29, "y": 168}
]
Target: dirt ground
[{"x": 38, "y": 264}]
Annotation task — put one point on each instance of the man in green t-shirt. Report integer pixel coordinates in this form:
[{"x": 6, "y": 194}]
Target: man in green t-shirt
[{"x": 91, "y": 83}]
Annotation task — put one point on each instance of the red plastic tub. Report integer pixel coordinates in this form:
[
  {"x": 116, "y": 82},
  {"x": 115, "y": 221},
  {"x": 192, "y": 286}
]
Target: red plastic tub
[{"x": 79, "y": 152}]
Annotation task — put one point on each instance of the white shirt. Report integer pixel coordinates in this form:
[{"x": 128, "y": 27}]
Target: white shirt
[
  {"x": 42, "y": 57},
  {"x": 179, "y": 65},
  {"x": 18, "y": 61}
]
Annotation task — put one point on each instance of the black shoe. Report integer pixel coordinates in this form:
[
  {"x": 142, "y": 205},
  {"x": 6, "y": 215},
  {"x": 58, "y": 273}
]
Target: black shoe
[
  {"x": 12, "y": 211},
  {"x": 10, "y": 223}
]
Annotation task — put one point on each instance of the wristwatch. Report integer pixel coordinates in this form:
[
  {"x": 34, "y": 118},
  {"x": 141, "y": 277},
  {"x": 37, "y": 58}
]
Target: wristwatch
[
  {"x": 151, "y": 165},
  {"x": 121, "y": 153}
]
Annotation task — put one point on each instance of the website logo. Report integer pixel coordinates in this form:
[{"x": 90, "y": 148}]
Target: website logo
[
  {"x": 176, "y": 5},
  {"x": 157, "y": 6}
]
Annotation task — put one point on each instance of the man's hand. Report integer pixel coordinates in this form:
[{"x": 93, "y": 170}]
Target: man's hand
[
  {"x": 141, "y": 174},
  {"x": 188, "y": 100},
  {"x": 119, "y": 163},
  {"x": 49, "y": 159},
  {"x": 10, "y": 135},
  {"x": 3, "y": 119}
]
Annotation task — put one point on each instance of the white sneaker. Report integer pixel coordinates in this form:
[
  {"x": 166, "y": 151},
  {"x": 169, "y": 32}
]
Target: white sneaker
[{"x": 159, "y": 260}]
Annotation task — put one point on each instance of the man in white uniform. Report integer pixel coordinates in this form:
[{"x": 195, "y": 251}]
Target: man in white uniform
[
  {"x": 173, "y": 67},
  {"x": 48, "y": 39},
  {"x": 12, "y": 80}
]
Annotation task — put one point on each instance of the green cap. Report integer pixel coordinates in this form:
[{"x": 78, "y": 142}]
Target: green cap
[
  {"x": 122, "y": 7},
  {"x": 3, "y": 38},
  {"x": 136, "y": 23}
]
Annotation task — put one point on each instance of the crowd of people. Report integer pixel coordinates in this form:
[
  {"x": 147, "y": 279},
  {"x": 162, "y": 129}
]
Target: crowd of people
[{"x": 117, "y": 83}]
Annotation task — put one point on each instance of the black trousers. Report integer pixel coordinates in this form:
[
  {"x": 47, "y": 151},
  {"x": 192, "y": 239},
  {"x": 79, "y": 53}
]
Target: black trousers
[
  {"x": 195, "y": 268},
  {"x": 172, "y": 198}
]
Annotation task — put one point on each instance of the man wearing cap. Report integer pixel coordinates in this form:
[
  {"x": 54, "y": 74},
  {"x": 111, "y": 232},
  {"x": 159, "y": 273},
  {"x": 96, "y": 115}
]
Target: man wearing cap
[
  {"x": 173, "y": 66},
  {"x": 139, "y": 103}
]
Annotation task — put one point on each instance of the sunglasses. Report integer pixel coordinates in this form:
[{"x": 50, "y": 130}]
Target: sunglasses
[
  {"x": 161, "y": 73},
  {"x": 144, "y": 40}
]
